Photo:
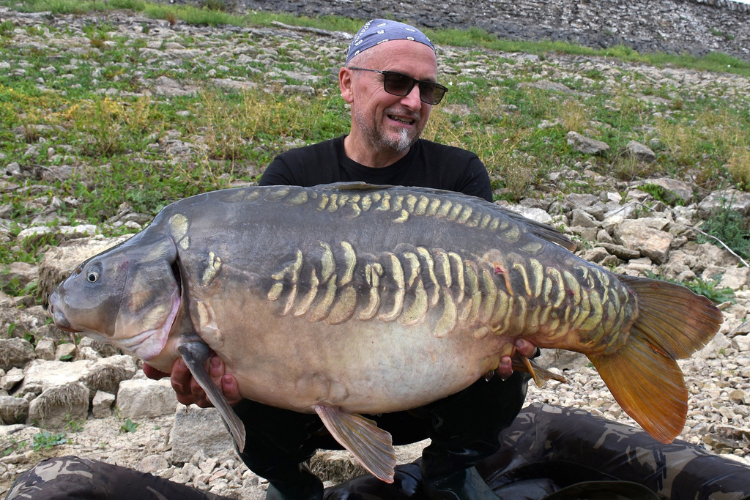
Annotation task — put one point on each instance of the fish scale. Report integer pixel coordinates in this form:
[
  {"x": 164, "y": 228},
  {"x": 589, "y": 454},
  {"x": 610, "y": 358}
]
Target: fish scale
[{"x": 348, "y": 299}]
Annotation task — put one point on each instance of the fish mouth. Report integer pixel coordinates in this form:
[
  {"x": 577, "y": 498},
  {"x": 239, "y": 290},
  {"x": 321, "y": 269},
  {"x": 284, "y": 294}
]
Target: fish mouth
[{"x": 58, "y": 317}]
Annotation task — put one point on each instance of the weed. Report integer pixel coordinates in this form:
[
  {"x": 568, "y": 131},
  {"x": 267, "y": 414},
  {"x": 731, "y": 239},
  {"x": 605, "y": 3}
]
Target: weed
[
  {"x": 129, "y": 426},
  {"x": 72, "y": 425},
  {"x": 702, "y": 287},
  {"x": 656, "y": 191},
  {"x": 729, "y": 226},
  {"x": 171, "y": 18},
  {"x": 13, "y": 446},
  {"x": 6, "y": 29},
  {"x": 46, "y": 440}
]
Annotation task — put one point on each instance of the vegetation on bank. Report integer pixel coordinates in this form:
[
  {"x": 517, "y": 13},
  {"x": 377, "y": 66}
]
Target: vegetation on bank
[{"x": 88, "y": 109}]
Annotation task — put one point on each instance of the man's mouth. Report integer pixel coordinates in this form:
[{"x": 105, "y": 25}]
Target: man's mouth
[{"x": 405, "y": 119}]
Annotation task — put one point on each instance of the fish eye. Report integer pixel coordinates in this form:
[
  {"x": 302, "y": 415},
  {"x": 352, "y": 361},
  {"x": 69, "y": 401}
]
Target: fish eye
[{"x": 93, "y": 274}]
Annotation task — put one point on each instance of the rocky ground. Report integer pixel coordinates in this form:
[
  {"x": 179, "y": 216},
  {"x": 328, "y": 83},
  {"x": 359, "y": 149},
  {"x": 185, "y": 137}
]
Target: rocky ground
[
  {"x": 107, "y": 410},
  {"x": 673, "y": 26}
]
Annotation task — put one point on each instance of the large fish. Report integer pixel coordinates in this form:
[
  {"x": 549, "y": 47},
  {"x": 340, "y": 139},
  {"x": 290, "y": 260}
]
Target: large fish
[{"x": 348, "y": 299}]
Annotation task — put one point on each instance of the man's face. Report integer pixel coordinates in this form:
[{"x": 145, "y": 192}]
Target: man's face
[{"x": 387, "y": 122}]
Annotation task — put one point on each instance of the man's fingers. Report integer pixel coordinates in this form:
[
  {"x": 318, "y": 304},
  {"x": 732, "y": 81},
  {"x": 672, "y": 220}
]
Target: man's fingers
[
  {"x": 526, "y": 348},
  {"x": 230, "y": 389},
  {"x": 505, "y": 368},
  {"x": 153, "y": 373}
]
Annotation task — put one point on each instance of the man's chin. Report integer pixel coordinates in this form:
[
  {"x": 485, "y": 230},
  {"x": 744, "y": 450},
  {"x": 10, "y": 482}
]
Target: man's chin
[{"x": 400, "y": 141}]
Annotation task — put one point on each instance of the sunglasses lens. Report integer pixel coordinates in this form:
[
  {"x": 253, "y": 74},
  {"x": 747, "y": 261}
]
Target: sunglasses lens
[
  {"x": 401, "y": 85},
  {"x": 398, "y": 84}
]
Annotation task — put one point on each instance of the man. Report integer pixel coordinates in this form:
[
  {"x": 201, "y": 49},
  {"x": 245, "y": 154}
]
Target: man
[{"x": 390, "y": 81}]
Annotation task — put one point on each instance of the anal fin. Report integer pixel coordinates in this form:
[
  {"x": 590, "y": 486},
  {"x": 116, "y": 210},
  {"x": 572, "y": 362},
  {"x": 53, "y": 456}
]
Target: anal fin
[
  {"x": 195, "y": 355},
  {"x": 372, "y": 446}
]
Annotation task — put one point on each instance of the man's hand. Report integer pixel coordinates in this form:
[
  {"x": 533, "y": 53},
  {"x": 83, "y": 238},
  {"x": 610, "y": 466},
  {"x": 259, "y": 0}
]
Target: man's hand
[
  {"x": 525, "y": 348},
  {"x": 187, "y": 388}
]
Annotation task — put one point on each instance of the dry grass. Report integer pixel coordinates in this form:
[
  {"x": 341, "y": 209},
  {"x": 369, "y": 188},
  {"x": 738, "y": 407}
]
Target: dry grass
[
  {"x": 739, "y": 167},
  {"x": 573, "y": 115}
]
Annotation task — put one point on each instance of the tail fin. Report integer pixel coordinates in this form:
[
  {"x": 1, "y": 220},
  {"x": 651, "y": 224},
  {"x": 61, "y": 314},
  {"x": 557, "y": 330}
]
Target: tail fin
[{"x": 643, "y": 375}]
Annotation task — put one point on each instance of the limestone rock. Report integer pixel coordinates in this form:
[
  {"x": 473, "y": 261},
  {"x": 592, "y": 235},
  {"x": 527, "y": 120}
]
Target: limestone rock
[
  {"x": 620, "y": 251},
  {"x": 13, "y": 410},
  {"x": 146, "y": 398},
  {"x": 15, "y": 352},
  {"x": 65, "y": 352},
  {"x": 105, "y": 374},
  {"x": 22, "y": 272},
  {"x": 101, "y": 406},
  {"x": 645, "y": 236},
  {"x": 10, "y": 379},
  {"x": 152, "y": 463},
  {"x": 640, "y": 152},
  {"x": 582, "y": 219},
  {"x": 741, "y": 343},
  {"x": 535, "y": 214},
  {"x": 198, "y": 429},
  {"x": 586, "y": 145},
  {"x": 720, "y": 200},
  {"x": 45, "y": 349},
  {"x": 57, "y": 405},
  {"x": 735, "y": 278},
  {"x": 675, "y": 191}
]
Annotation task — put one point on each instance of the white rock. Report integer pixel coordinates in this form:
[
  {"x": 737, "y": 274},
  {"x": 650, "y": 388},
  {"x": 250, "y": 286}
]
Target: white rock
[
  {"x": 101, "y": 406},
  {"x": 10, "y": 379},
  {"x": 64, "y": 350},
  {"x": 199, "y": 429},
  {"x": 152, "y": 463},
  {"x": 146, "y": 398},
  {"x": 57, "y": 405},
  {"x": 45, "y": 349}
]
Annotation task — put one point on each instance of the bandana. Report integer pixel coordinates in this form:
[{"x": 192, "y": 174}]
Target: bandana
[{"x": 379, "y": 31}]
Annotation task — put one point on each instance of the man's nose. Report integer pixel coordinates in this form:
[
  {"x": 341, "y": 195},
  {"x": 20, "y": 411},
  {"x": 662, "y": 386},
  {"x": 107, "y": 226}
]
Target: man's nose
[{"x": 412, "y": 99}]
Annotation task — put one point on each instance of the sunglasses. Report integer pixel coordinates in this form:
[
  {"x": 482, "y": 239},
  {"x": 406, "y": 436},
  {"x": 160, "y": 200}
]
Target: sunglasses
[{"x": 401, "y": 85}]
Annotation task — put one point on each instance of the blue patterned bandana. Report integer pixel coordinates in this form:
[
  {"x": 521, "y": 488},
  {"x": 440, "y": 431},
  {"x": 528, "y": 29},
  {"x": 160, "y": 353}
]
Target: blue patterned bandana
[{"x": 378, "y": 31}]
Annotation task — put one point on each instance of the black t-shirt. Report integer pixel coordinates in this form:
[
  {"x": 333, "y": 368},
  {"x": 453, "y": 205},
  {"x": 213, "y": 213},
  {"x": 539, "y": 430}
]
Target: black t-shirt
[{"x": 427, "y": 164}]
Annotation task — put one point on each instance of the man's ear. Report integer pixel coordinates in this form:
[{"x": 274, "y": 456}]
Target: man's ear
[{"x": 345, "y": 83}]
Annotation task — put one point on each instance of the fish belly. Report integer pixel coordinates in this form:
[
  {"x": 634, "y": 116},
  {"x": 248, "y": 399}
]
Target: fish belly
[{"x": 363, "y": 367}]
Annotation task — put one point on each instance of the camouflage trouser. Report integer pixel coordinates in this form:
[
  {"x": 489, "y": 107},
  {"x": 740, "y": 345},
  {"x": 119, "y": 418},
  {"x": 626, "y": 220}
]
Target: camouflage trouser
[{"x": 546, "y": 450}]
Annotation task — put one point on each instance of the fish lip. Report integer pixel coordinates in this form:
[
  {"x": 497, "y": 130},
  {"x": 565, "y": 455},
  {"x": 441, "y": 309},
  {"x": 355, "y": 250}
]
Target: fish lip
[
  {"x": 58, "y": 317},
  {"x": 149, "y": 344}
]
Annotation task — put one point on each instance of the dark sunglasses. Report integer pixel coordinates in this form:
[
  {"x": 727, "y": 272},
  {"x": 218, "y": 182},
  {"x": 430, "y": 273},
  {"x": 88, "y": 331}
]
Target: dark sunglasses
[{"x": 401, "y": 85}]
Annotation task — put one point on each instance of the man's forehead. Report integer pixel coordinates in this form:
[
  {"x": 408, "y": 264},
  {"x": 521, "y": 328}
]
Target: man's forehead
[
  {"x": 402, "y": 56},
  {"x": 379, "y": 31}
]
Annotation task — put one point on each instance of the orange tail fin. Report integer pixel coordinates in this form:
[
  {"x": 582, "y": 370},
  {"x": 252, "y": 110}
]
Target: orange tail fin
[{"x": 643, "y": 375}]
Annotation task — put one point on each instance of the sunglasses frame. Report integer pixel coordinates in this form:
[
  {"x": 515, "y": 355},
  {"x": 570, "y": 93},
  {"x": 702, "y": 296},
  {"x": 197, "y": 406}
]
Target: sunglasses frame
[{"x": 414, "y": 82}]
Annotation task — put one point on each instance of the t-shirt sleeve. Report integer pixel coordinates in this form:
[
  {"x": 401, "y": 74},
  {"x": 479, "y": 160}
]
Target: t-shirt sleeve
[
  {"x": 475, "y": 181},
  {"x": 278, "y": 173}
]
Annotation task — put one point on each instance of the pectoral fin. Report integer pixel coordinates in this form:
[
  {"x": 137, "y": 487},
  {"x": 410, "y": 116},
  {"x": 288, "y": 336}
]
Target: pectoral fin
[
  {"x": 370, "y": 445},
  {"x": 195, "y": 355},
  {"x": 539, "y": 374}
]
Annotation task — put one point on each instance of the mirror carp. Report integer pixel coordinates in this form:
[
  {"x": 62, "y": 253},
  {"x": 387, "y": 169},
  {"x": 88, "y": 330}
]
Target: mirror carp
[{"x": 349, "y": 298}]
